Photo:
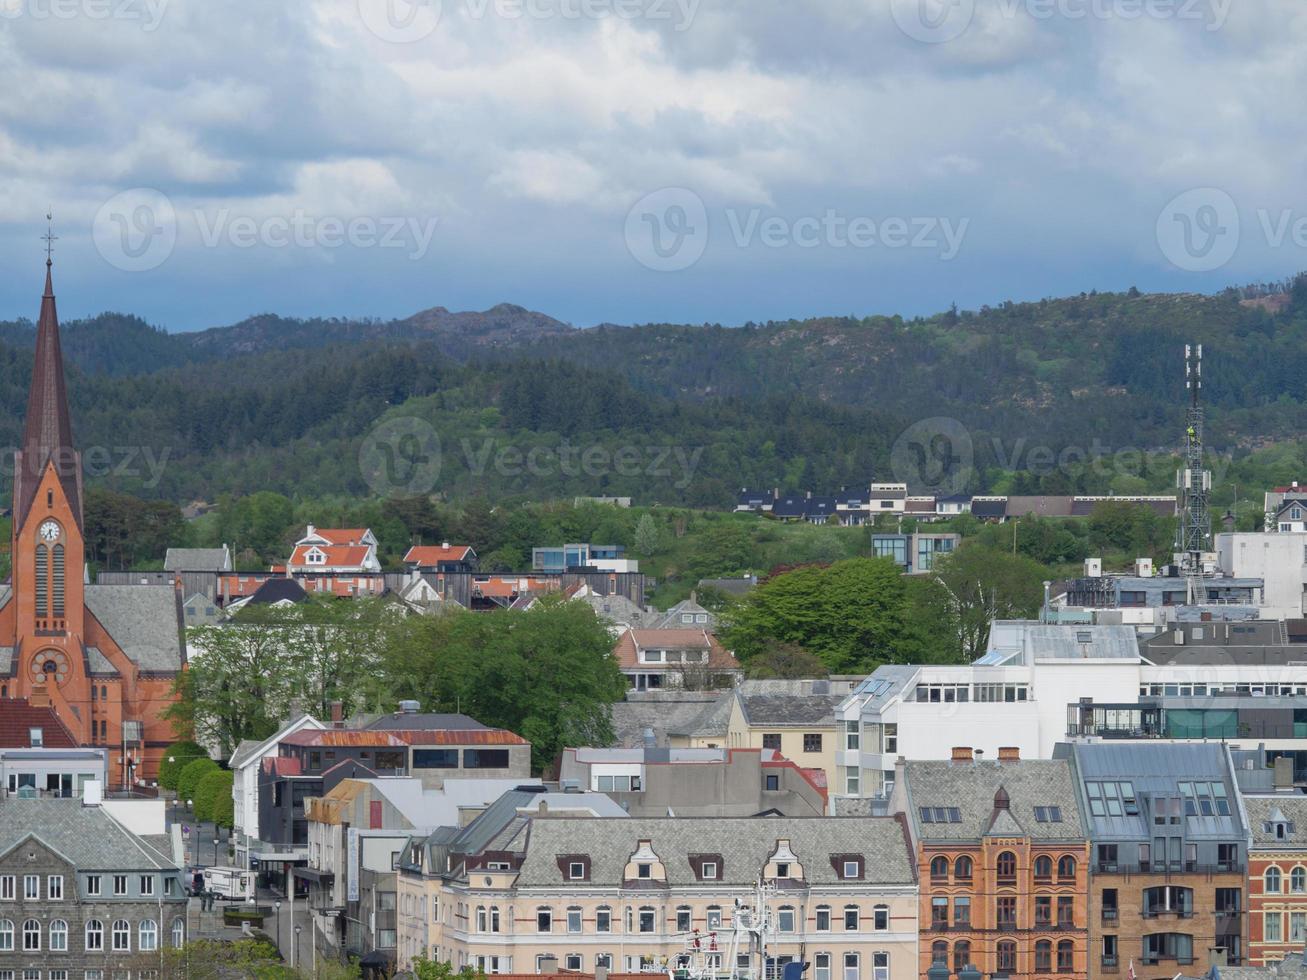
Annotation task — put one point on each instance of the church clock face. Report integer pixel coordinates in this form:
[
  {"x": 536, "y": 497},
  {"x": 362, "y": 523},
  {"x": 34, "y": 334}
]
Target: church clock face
[
  {"x": 49, "y": 531},
  {"x": 50, "y": 666}
]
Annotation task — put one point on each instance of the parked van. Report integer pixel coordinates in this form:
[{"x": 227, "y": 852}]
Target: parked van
[{"x": 230, "y": 883}]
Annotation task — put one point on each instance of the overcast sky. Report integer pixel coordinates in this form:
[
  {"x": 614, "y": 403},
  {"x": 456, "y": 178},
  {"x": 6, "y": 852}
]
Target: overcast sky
[{"x": 644, "y": 160}]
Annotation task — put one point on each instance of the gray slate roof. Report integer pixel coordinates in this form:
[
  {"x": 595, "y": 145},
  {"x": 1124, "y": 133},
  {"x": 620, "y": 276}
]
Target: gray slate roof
[
  {"x": 971, "y": 787},
  {"x": 85, "y": 835},
  {"x": 144, "y": 620},
  {"x": 789, "y": 710},
  {"x": 425, "y": 722},
  {"x": 682, "y": 713},
  {"x": 197, "y": 560},
  {"x": 744, "y": 843},
  {"x": 1289, "y": 807},
  {"x": 99, "y": 664}
]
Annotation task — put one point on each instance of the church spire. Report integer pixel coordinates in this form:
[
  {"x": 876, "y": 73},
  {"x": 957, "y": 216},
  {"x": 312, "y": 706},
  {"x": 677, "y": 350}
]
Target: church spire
[{"x": 48, "y": 431}]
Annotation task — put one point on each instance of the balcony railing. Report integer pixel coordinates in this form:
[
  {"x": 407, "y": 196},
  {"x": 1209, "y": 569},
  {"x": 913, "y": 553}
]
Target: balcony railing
[{"x": 1110, "y": 916}]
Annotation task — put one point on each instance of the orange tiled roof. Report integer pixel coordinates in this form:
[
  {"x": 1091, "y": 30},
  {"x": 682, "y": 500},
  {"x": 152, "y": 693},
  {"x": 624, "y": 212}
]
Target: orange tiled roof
[
  {"x": 632, "y": 641},
  {"x": 341, "y": 535},
  {"x": 338, "y": 556},
  {"x": 431, "y": 554}
]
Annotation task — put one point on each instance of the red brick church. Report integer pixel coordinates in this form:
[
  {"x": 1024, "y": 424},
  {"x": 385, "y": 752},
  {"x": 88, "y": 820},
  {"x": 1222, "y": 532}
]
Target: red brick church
[{"x": 103, "y": 656}]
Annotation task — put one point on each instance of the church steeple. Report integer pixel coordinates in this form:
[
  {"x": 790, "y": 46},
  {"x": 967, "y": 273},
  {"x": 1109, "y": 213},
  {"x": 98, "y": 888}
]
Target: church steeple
[{"x": 48, "y": 432}]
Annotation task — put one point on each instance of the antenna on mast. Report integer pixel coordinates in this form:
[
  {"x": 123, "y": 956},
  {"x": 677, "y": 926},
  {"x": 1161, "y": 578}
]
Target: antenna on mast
[{"x": 1194, "y": 534}]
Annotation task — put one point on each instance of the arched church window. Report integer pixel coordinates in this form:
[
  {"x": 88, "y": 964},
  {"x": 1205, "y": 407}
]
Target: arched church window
[
  {"x": 57, "y": 581},
  {"x": 42, "y": 580}
]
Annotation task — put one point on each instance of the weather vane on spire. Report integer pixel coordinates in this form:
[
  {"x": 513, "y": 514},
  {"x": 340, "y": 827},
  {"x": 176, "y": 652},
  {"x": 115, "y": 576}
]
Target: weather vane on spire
[{"x": 49, "y": 238}]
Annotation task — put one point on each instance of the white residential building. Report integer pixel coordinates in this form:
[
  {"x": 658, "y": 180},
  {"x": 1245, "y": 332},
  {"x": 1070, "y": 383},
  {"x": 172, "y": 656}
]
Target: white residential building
[{"x": 245, "y": 763}]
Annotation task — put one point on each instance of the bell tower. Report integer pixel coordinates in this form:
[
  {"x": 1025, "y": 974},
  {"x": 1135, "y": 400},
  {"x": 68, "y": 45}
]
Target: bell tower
[{"x": 48, "y": 551}]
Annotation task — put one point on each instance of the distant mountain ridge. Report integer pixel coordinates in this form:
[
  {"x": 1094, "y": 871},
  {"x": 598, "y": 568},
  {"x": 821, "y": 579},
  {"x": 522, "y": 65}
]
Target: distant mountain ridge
[{"x": 800, "y": 404}]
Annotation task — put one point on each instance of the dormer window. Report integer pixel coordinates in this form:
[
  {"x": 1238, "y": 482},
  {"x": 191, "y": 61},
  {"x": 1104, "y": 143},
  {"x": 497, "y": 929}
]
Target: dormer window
[
  {"x": 576, "y": 870},
  {"x": 709, "y": 871},
  {"x": 644, "y": 870},
  {"x": 36, "y": 737},
  {"x": 782, "y": 870},
  {"x": 852, "y": 870}
]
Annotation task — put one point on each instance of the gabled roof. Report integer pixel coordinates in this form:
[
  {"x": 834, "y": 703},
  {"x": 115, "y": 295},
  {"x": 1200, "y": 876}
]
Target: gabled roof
[
  {"x": 743, "y": 846},
  {"x": 1265, "y": 811},
  {"x": 629, "y": 644},
  {"x": 144, "y": 620},
  {"x": 335, "y": 555},
  {"x": 339, "y": 535},
  {"x": 197, "y": 560},
  {"x": 87, "y": 836},
  {"x": 278, "y": 590},
  {"x": 430, "y": 555},
  {"x": 795, "y": 506},
  {"x": 820, "y": 507},
  {"x": 971, "y": 787},
  {"x": 249, "y": 748},
  {"x": 17, "y": 719},
  {"x": 989, "y": 506}
]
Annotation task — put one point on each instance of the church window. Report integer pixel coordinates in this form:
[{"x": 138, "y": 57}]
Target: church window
[
  {"x": 42, "y": 581},
  {"x": 57, "y": 581}
]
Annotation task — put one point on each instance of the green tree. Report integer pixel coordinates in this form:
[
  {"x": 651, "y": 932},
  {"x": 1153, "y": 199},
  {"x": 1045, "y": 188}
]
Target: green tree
[
  {"x": 210, "y": 793},
  {"x": 851, "y": 615},
  {"x": 240, "y": 681},
  {"x": 175, "y": 758},
  {"x": 785, "y": 661},
  {"x": 979, "y": 585},
  {"x": 547, "y": 674},
  {"x": 648, "y": 539},
  {"x": 189, "y": 781}
]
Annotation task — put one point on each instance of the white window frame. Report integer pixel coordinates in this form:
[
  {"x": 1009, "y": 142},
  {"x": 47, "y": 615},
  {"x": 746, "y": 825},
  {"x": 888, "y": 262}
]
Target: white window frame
[{"x": 54, "y": 888}]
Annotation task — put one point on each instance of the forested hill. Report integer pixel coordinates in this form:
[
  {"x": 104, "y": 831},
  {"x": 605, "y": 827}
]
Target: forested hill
[{"x": 285, "y": 404}]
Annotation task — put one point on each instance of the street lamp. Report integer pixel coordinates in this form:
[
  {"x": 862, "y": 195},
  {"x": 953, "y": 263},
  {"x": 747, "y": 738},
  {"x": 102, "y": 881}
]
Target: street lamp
[
  {"x": 277, "y": 906},
  {"x": 215, "y": 848},
  {"x": 294, "y": 947}
]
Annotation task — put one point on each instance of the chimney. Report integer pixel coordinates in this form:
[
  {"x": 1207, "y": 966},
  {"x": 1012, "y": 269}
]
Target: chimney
[
  {"x": 1009, "y": 753},
  {"x": 1217, "y": 956},
  {"x": 444, "y": 544},
  {"x": 1284, "y": 773},
  {"x": 649, "y": 740},
  {"x": 548, "y": 965},
  {"x": 40, "y": 697},
  {"x": 962, "y": 753},
  {"x": 337, "y": 714},
  {"x": 601, "y": 973}
]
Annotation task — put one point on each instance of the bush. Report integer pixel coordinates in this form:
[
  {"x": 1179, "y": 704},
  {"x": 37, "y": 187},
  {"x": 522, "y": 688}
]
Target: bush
[
  {"x": 174, "y": 761},
  {"x": 210, "y": 793},
  {"x": 189, "y": 780}
]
